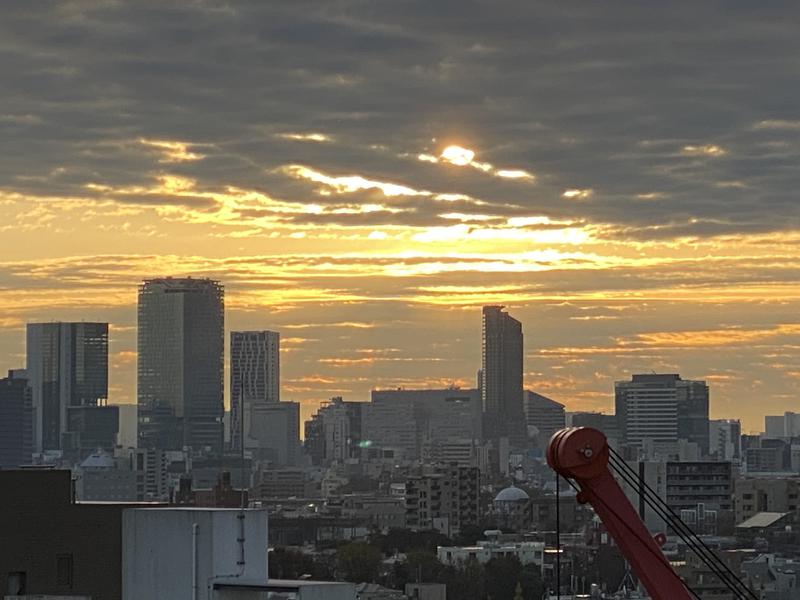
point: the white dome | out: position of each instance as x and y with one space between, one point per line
512 494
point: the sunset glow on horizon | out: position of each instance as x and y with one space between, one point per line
366 198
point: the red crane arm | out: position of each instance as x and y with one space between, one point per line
581 453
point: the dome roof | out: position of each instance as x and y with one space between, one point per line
511 494
99 460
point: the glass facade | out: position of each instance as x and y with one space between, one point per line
181 359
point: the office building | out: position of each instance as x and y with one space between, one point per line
272 433
725 439
16 420
501 376
333 433
67 370
663 409
180 365
596 420
543 415
786 425
389 424
255 374
439 418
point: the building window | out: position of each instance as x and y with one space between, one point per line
64 570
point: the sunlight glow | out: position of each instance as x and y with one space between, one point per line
707 150
514 174
577 194
351 183
456 155
305 137
172 151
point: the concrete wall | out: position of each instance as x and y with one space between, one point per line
157 551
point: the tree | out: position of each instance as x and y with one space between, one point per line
502 575
290 564
358 562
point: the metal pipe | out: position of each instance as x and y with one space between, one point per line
194 561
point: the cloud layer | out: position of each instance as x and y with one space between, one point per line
623 177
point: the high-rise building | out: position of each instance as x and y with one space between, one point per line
255 374
181 348
67 370
662 408
16 420
501 376
725 439
333 434
545 415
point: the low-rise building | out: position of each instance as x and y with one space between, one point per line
378 512
754 495
102 478
287 482
526 552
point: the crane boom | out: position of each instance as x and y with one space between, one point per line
581 453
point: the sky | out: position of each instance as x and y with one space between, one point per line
363 175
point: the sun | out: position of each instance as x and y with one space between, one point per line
457 155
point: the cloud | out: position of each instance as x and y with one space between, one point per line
295 151
305 137
705 150
172 151
577 194
465 157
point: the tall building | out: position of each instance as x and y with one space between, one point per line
662 408
725 439
181 348
545 415
255 374
333 433
16 420
501 376
67 370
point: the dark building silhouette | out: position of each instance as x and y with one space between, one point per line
16 420
67 370
501 376
180 370
53 546
545 414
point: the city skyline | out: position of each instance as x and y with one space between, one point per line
308 409
622 181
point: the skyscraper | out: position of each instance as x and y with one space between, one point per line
501 376
16 420
662 408
67 370
255 374
181 347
